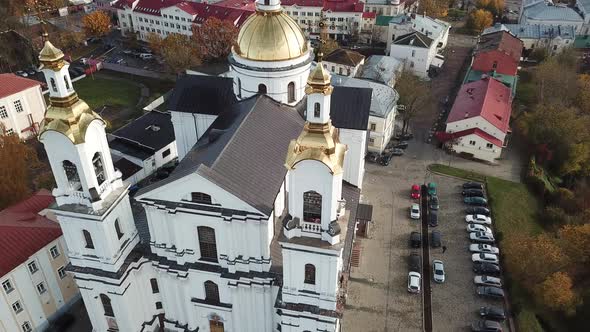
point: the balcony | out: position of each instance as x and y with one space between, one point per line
311 227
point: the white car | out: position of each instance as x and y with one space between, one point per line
482 247
481 237
415 211
487 281
438 270
483 257
478 219
414 282
478 228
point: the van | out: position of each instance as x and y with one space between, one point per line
146 56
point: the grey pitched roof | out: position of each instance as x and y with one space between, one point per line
381 68
383 98
202 94
153 129
350 107
415 38
534 31
543 11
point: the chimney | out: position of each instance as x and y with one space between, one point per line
466 115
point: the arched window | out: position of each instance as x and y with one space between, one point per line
98 167
316 110
309 274
262 89
207 243
199 197
53 85
88 239
239 88
67 82
267 2
106 305
71 174
211 292
291 92
312 207
118 229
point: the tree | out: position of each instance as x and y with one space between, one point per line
583 97
479 19
496 7
96 24
19 160
556 293
434 8
214 39
179 52
328 46
155 42
413 94
556 81
575 241
67 39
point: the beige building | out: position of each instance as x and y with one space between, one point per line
35 285
21 105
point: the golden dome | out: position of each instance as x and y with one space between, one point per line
50 53
319 81
271 36
320 142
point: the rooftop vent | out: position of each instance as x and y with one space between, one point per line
152 128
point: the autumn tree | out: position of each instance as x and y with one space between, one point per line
328 46
555 80
179 52
96 24
434 8
556 293
155 42
496 7
214 39
575 241
414 96
583 96
479 19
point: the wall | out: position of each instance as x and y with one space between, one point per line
478 148
32 102
339 23
354 160
421 59
476 122
339 69
188 128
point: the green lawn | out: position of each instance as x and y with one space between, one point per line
103 91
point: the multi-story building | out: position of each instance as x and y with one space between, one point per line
433 28
546 12
344 62
417 52
553 39
36 288
21 105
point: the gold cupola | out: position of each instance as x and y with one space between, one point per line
50 56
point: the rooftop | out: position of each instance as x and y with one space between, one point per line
344 57
476 75
383 98
534 31
11 84
202 94
501 41
153 130
126 167
549 12
415 38
381 68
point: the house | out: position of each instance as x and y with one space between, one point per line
545 12
344 62
583 7
21 105
498 51
418 52
433 28
382 112
148 142
478 123
554 39
386 7
382 69
36 288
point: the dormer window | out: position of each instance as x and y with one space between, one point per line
316 110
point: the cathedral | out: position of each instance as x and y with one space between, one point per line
253 231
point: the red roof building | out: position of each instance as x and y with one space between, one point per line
11 84
499 51
331 5
23 231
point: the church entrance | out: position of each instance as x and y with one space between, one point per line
215 326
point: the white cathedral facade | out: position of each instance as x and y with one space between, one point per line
253 230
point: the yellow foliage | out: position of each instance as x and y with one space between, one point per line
97 23
479 20
557 294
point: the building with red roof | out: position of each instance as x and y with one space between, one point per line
479 119
33 265
22 105
498 52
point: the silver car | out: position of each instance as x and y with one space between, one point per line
487 281
438 270
478 228
483 257
482 247
481 237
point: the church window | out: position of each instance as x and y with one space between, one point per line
107 306
53 85
266 2
207 243
88 239
71 174
291 92
262 89
118 229
98 167
199 197
211 292
154 284
309 274
316 110
312 207
67 82
239 88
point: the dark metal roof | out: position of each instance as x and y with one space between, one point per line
415 38
153 130
350 107
364 212
345 57
131 148
202 94
126 167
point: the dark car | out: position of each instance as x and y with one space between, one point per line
478 210
472 185
477 201
397 152
433 218
472 193
486 268
433 203
373 157
492 313
386 159
162 174
486 326
401 145
490 291
415 240
415 262
435 240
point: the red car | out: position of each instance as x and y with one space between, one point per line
415 191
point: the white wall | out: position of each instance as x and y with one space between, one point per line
476 122
33 104
479 147
354 160
188 128
340 69
419 62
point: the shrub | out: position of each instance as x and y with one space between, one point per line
527 321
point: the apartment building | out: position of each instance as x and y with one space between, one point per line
21 105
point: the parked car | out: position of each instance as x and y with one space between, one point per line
486 268
482 247
22 73
415 191
479 201
490 291
478 228
487 281
472 185
433 218
415 240
433 203
483 257
431 189
31 72
478 219
492 313
415 262
486 326
478 210
372 157
415 211
414 282
385 159
401 145
404 137
397 152
146 56
481 237
438 271
472 193
436 239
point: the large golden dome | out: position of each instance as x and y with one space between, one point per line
271 36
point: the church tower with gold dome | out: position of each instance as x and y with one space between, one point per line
272 56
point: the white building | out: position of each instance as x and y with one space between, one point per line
386 7
545 12
21 105
344 62
254 229
583 7
418 52
36 289
382 69
433 28
534 36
